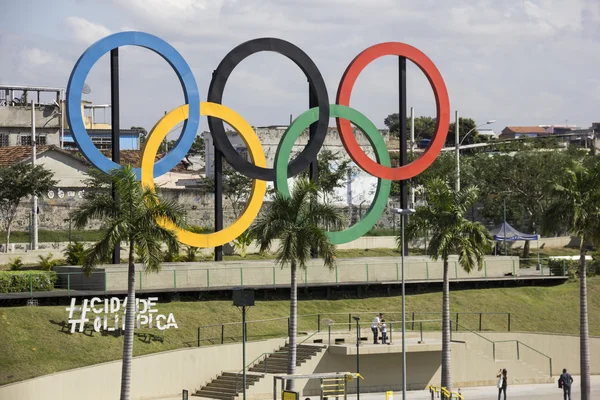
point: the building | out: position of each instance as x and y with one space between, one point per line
16 115
71 169
487 133
516 132
129 139
51 127
360 185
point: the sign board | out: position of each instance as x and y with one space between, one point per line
287 395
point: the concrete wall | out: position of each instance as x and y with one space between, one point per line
153 376
166 374
564 351
258 273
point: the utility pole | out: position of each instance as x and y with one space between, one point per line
62 119
457 154
115 131
34 218
412 151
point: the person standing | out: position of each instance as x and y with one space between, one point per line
502 382
383 332
375 327
566 380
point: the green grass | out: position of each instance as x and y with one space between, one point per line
45 236
32 344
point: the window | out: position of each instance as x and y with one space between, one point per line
3 139
102 143
26 140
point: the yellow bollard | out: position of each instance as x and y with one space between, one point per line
389 395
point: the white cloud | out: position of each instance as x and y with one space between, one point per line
85 31
513 60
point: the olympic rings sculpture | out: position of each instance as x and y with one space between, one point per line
190 113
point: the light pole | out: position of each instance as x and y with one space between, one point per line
403 213
357 356
243 298
458 142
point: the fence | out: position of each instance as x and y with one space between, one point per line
231 332
227 276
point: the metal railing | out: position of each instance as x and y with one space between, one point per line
175 278
444 393
231 332
517 350
257 360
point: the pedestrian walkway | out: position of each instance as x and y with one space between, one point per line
545 391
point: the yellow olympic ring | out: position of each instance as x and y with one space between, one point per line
259 187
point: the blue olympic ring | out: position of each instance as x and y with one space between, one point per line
179 65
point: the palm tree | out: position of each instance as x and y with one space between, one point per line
132 220
444 217
297 221
577 205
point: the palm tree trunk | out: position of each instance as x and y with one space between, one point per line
446 375
129 320
584 340
291 369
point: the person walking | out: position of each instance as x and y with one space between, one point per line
565 381
383 332
375 327
502 382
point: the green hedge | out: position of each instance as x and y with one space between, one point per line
23 281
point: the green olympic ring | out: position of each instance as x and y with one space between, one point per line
284 151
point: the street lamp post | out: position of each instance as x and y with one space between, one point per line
403 213
458 142
357 319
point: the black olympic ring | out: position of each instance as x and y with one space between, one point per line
316 82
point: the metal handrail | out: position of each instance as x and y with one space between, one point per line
518 342
237 380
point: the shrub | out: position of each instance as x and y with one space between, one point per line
171 254
47 263
15 264
23 281
74 253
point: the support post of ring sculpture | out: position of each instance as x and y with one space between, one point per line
190 113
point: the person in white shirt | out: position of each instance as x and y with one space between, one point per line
383 332
375 328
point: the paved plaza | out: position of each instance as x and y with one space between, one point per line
547 391
522 392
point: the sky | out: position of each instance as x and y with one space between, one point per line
520 62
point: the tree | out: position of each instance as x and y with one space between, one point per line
143 133
297 221
424 126
465 126
524 180
17 182
444 217
332 173
134 222
236 188
198 148
577 204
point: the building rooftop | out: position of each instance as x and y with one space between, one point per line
526 129
14 154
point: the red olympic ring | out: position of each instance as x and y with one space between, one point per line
442 105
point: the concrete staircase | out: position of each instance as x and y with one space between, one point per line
277 363
228 385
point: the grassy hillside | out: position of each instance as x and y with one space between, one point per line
32 344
